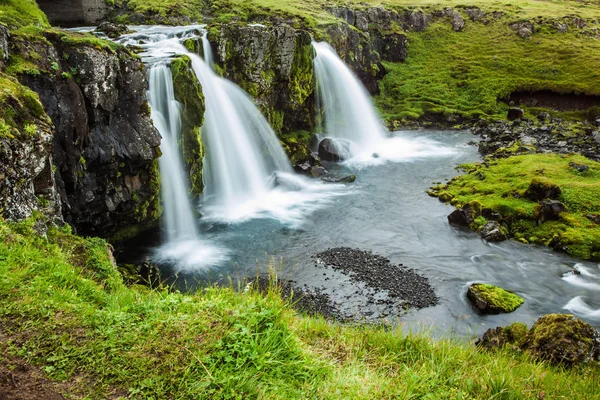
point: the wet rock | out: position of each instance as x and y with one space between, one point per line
579 167
489 299
562 339
4 45
112 30
466 215
549 210
540 189
499 337
329 150
318 171
339 178
492 232
514 113
403 285
303 167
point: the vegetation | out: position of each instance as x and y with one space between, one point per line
18 13
497 297
67 311
502 185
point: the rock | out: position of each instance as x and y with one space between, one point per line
523 28
492 232
540 189
490 299
543 116
499 337
466 215
458 22
303 167
524 32
329 150
561 28
595 218
475 14
339 178
549 210
562 339
4 45
596 137
514 113
113 31
318 171
579 167
417 21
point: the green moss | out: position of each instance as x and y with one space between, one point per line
148 212
498 297
18 13
507 190
516 332
20 109
166 9
189 92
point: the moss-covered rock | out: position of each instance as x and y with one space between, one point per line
540 189
499 337
562 339
491 299
189 92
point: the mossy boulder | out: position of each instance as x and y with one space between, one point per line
499 337
467 215
490 299
562 339
540 189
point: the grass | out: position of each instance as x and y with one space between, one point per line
18 13
66 310
21 109
500 185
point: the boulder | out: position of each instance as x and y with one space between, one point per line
111 30
458 23
540 189
466 215
492 232
318 171
514 113
579 167
489 299
339 178
549 210
499 337
562 339
329 150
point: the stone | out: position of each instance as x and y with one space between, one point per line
549 210
540 189
499 337
562 339
489 299
492 232
579 167
524 32
318 171
514 113
475 14
111 30
417 21
543 116
329 150
523 28
466 215
339 178
458 23
4 45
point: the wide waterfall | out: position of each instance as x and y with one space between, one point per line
351 120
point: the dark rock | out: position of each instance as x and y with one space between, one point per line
562 339
579 167
543 116
111 30
417 21
4 45
329 150
492 232
458 22
339 178
523 28
549 210
303 167
595 218
540 189
318 171
466 215
499 337
475 14
514 113
490 299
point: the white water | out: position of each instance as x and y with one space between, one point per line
350 117
182 245
579 307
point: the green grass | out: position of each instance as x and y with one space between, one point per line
20 109
500 185
66 310
17 13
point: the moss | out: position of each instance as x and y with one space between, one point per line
21 109
18 13
189 92
508 189
498 297
148 212
562 339
297 146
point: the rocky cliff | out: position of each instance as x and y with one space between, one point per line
104 147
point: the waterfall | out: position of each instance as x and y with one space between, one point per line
349 112
208 55
179 220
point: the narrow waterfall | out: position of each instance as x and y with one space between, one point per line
180 223
349 112
207 50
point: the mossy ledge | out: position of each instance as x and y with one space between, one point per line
67 312
508 190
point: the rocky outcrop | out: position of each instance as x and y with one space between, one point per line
105 147
274 64
4 45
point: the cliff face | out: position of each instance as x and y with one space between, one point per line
104 146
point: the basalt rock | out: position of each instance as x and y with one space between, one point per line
105 147
466 215
540 189
329 150
492 232
549 210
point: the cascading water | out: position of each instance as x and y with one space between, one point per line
351 119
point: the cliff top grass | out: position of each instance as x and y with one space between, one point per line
18 13
501 185
66 312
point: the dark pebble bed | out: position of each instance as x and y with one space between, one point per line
404 286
